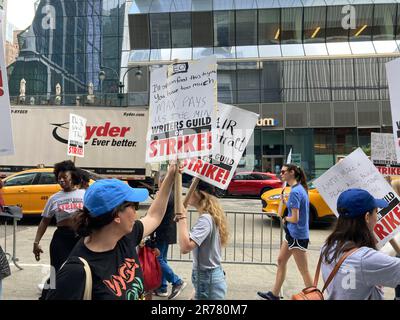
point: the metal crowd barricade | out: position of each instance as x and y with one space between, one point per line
14 214
252 239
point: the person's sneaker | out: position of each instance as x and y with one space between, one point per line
161 293
176 290
268 295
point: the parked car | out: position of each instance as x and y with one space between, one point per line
319 210
251 184
30 189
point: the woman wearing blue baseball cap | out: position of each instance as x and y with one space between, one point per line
366 270
106 255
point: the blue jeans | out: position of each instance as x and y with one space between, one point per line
209 284
167 273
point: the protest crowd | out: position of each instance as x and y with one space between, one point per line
102 250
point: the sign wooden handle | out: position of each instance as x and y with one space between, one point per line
178 190
395 246
192 188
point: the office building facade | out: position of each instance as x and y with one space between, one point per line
313 70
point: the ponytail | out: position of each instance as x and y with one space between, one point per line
299 174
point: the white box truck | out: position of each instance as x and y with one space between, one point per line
115 141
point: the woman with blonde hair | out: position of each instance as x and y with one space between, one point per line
206 239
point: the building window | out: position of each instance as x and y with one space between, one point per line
224 28
160 30
344 114
292 25
318 80
227 88
273 144
181 29
246 27
271 81
248 79
345 141
296 115
363 31
334 29
301 143
269 29
320 114
323 151
384 21
366 79
342 79
314 24
295 81
202 29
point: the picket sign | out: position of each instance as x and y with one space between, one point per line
383 154
234 128
357 171
183 99
393 77
76 136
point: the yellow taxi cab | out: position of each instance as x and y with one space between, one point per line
319 210
30 189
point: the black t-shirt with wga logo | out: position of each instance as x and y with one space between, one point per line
116 274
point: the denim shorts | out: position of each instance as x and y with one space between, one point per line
209 284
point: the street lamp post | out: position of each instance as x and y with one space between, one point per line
138 75
121 85
102 77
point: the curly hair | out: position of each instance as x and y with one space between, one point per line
67 166
210 204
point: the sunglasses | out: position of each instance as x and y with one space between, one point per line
134 205
283 171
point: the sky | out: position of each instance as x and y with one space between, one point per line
20 18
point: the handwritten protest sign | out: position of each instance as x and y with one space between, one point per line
6 135
393 76
76 136
234 129
357 171
383 154
183 101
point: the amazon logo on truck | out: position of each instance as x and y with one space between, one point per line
104 136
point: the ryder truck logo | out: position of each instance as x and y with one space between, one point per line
103 136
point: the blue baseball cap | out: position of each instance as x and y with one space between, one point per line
357 202
106 194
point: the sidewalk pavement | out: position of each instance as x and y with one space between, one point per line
244 280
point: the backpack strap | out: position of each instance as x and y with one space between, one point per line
337 266
87 294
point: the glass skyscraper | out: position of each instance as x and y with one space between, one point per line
68 43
